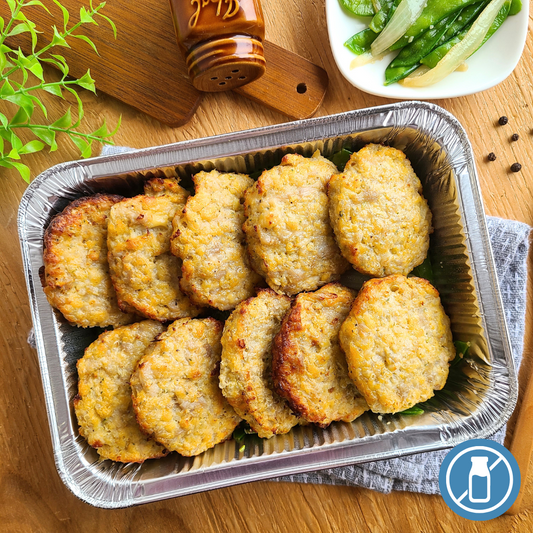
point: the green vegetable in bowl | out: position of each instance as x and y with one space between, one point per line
473 39
362 8
434 38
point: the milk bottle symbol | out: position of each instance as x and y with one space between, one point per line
479 481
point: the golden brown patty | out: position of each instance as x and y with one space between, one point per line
398 342
175 389
103 404
309 367
246 367
76 272
208 237
381 220
144 272
289 237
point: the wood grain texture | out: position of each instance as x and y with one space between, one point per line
295 88
32 496
144 67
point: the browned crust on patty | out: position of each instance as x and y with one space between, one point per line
307 358
66 274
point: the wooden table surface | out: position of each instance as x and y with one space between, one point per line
32 496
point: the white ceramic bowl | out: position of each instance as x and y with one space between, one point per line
487 67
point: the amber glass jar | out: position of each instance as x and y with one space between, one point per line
222 41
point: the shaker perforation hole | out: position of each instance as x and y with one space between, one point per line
214 78
301 88
242 77
235 71
228 77
222 83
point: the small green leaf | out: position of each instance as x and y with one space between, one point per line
1 146
87 82
3 120
37 3
36 69
112 133
64 122
13 154
86 17
83 146
23 101
21 16
101 131
23 27
16 143
12 5
36 100
23 170
65 14
1 24
32 147
412 411
53 88
43 133
3 61
88 41
58 39
57 61
20 117
80 106
110 22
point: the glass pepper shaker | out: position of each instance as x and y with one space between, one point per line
222 41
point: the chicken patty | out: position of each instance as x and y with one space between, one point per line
290 240
103 404
208 237
309 367
175 389
144 272
76 276
246 366
381 220
398 342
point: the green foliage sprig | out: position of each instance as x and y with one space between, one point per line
24 93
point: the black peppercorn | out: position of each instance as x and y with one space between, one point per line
515 137
516 167
492 156
503 121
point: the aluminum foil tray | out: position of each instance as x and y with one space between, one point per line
476 402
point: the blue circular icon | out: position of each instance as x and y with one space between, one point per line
479 479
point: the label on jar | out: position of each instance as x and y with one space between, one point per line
224 8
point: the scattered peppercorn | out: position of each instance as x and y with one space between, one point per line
515 137
503 121
492 156
516 167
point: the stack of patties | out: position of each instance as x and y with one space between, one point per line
397 337
280 365
284 356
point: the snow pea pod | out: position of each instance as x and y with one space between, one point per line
434 11
415 51
381 17
438 53
467 15
516 6
394 74
362 8
361 42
